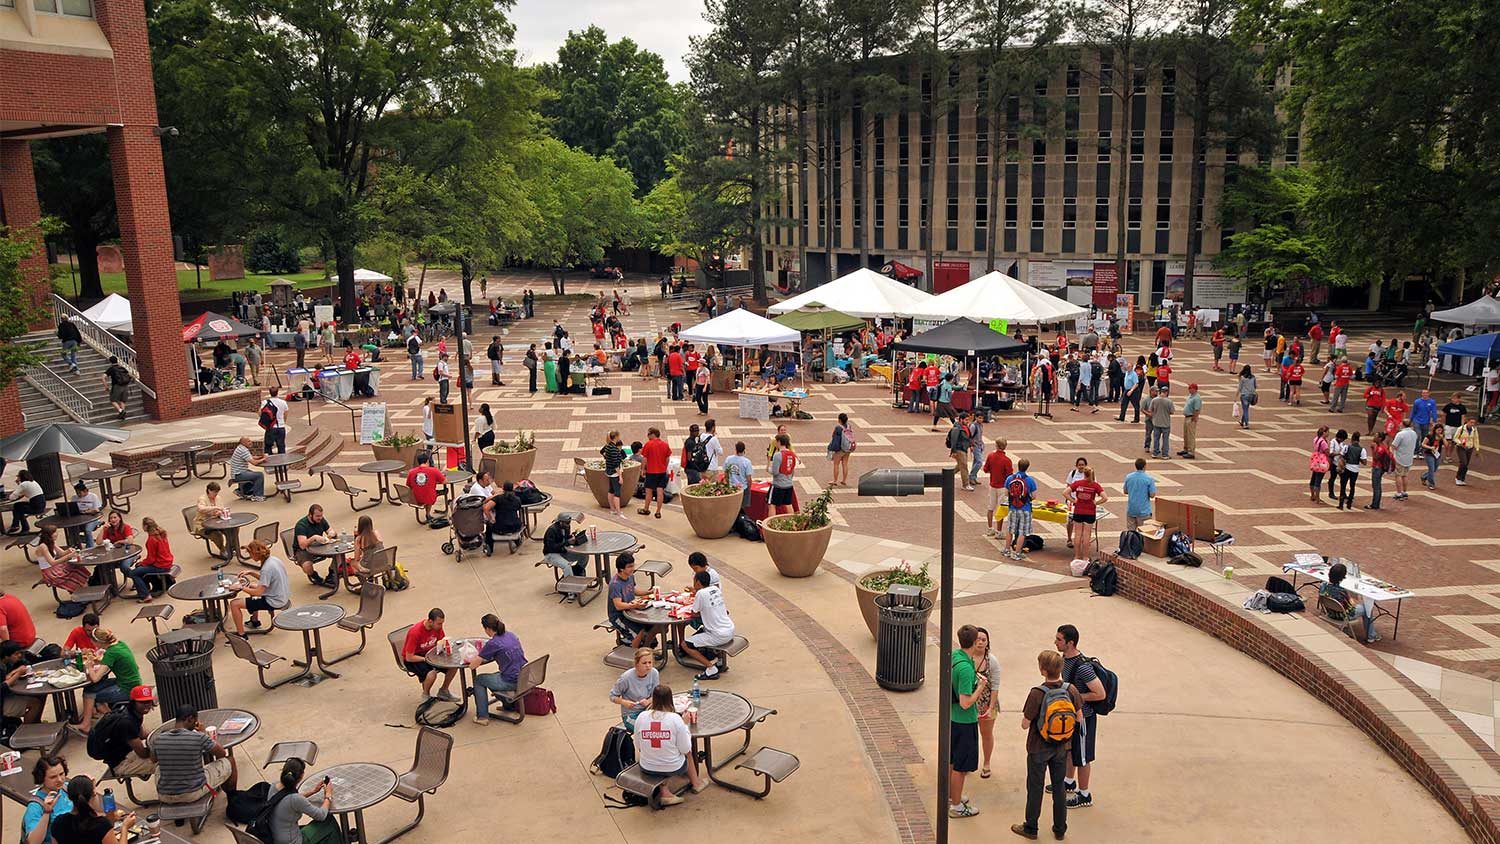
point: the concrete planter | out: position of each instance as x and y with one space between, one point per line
796 553
865 596
407 454
630 475
514 467
712 516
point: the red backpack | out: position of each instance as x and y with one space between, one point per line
788 462
1016 489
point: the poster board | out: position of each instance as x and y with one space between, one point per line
447 427
1124 312
372 422
1106 284
1197 519
322 314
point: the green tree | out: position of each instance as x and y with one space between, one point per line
583 204
329 80
1281 231
17 309
74 185
613 99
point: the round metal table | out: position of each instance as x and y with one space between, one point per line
533 513
657 617
230 527
72 525
107 561
356 786
279 463
188 453
64 699
720 713
105 478
311 619
215 718
383 468
451 661
206 588
335 551
607 544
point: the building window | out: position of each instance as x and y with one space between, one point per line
981 212
1011 208
71 8
1105 142
903 209
1070 213
1168 80
1039 150
1137 146
1101 211
1165 154
1140 80
1133 218
1070 150
1163 214
1073 78
1038 213
1293 153
879 147
1041 89
981 140
1106 76
7 4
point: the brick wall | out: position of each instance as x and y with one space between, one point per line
21 211
61 90
11 420
247 400
1480 815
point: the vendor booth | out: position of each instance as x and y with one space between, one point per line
1482 353
863 293
1483 311
968 340
112 313
823 321
997 296
741 329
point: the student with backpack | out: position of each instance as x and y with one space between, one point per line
1080 672
1050 719
273 422
782 467
277 822
958 448
840 446
1019 490
694 455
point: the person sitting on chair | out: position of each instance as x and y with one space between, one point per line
502 516
1354 608
179 750
324 828
558 539
266 590
622 599
718 629
421 638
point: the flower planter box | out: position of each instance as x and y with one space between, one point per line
630 475
407 454
865 597
712 516
796 553
513 467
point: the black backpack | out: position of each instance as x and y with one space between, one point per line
1131 545
246 805
697 454
617 754
1105 580
1284 602
1111 682
436 712
119 375
99 737
260 825
267 416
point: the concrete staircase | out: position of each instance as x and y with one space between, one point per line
39 409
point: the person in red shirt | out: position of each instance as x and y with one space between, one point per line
998 466
421 638
15 622
1164 377
1343 373
1062 343
424 481
1374 403
351 359
1294 380
675 374
1395 411
1315 336
1164 335
114 529
657 456
598 331
1217 341
1086 495
932 377
82 637
691 360
915 387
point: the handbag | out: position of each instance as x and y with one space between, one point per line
1318 462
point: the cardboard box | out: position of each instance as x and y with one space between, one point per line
1156 543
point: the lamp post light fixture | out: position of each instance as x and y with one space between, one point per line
899 483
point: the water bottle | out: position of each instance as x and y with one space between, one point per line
107 802
697 693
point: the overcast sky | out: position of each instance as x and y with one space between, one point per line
661 26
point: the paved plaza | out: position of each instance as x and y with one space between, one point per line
1205 739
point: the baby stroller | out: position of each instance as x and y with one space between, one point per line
465 526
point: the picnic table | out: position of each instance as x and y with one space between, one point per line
661 617
450 661
606 544
335 551
310 620
188 453
64 699
533 514
73 526
212 590
356 786
279 463
106 560
1372 589
105 479
230 526
720 713
217 718
383 469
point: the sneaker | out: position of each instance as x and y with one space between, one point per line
1021 830
700 787
253 623
1080 800
991 532
1461 483
707 676
258 499
670 800
962 810
1070 785
444 694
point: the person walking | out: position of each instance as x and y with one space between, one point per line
1374 403
1162 408
1465 445
1381 463
1047 757
1232 346
840 446
1454 413
1404 450
414 355
702 379
1336 448
1431 449
273 416
1349 462
943 407
958 447
1343 373
496 355
1191 410
1246 395
1317 463
70 338
963 748
976 447
998 467
1130 392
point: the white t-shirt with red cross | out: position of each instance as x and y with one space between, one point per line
662 741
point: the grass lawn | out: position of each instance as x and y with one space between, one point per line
187 283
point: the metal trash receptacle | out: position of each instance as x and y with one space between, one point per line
184 671
901 638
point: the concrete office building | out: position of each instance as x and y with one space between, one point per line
1055 204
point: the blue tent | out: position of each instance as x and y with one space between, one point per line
1478 346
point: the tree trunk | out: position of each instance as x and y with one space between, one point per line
826 187
861 231
86 246
1197 186
803 208
995 206
757 176
421 280
929 115
559 285
348 307
465 366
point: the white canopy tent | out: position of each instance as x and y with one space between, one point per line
740 327
996 295
1483 311
863 293
112 313
370 277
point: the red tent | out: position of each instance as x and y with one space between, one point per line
210 327
900 271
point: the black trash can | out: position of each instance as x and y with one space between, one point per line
901 639
184 669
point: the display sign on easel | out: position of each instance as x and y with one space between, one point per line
372 423
447 427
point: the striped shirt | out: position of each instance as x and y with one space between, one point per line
179 756
239 461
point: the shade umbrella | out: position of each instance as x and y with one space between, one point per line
817 318
1486 347
962 338
40 447
210 326
1482 311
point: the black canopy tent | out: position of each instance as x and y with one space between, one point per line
961 338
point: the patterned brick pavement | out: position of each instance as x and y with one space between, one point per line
1441 544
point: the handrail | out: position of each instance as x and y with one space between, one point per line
99 339
353 425
60 392
723 294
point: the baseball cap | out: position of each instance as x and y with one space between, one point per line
1192 386
143 694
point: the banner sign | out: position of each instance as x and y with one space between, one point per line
1106 285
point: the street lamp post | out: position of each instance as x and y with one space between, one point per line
899 483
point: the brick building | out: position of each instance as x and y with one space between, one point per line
74 67
1055 206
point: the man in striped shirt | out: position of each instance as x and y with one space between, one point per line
251 484
182 775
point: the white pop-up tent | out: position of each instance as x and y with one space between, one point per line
863 293
996 295
370 277
740 327
112 313
1482 311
